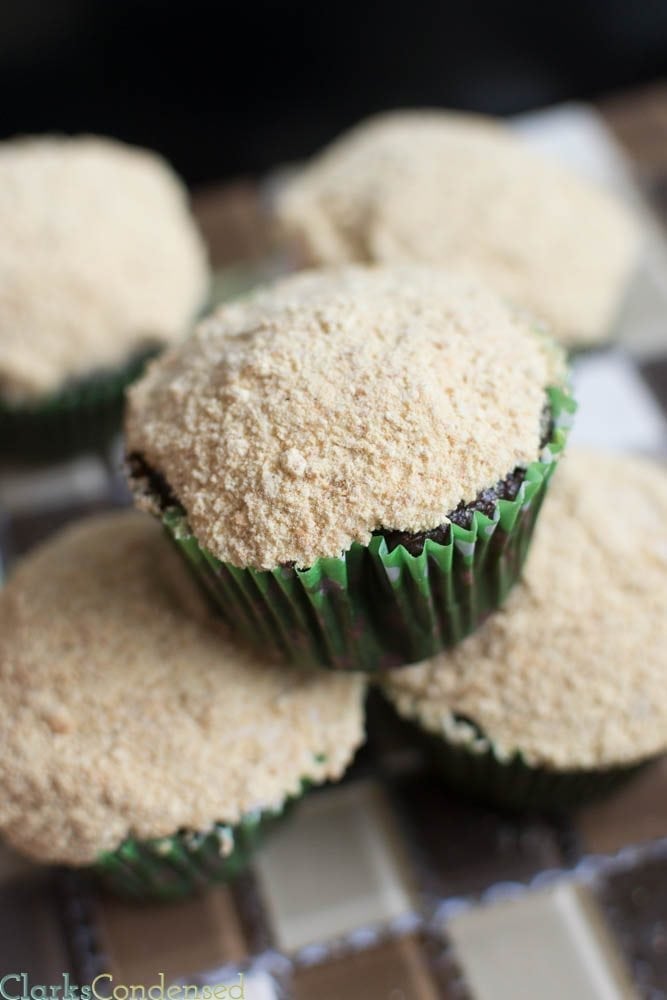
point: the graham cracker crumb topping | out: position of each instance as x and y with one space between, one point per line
99 256
127 713
571 671
302 418
466 192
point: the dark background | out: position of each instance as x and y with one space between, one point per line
226 89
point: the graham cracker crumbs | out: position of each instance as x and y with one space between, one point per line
124 715
571 672
302 418
99 256
464 191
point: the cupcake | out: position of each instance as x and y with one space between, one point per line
561 695
100 265
137 741
352 461
463 191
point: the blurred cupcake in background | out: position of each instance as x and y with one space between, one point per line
352 461
463 191
137 741
561 695
101 264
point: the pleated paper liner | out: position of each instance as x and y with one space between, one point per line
513 784
372 609
185 863
81 417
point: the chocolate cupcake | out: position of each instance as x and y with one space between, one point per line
352 461
136 739
463 191
561 695
100 265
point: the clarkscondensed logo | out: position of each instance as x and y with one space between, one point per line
17 986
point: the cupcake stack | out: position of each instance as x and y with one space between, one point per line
340 479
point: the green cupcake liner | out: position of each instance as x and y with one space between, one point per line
515 785
83 416
372 609
180 865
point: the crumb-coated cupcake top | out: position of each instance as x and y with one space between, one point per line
571 671
464 191
302 418
125 712
99 256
